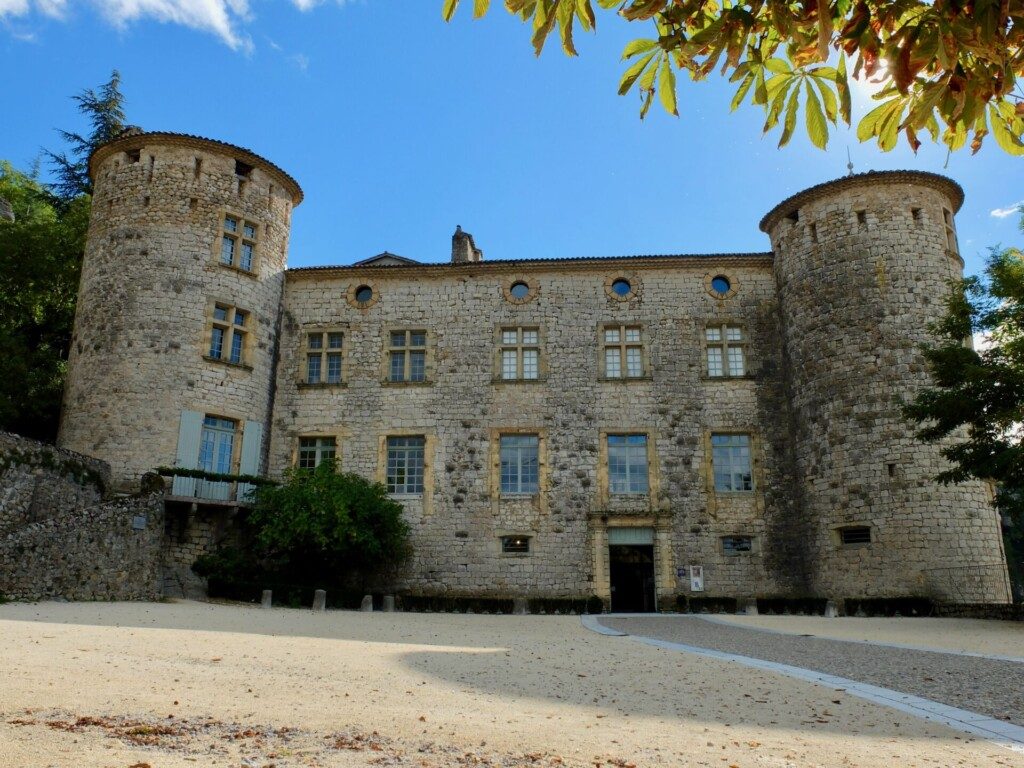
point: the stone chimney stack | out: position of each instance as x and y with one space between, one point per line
464 250
6 212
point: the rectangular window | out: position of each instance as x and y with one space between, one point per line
627 464
520 463
238 243
520 353
951 244
217 445
737 545
515 545
730 461
859 534
228 334
323 356
405 464
313 451
623 352
407 356
726 351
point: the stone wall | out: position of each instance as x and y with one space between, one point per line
38 481
110 551
150 277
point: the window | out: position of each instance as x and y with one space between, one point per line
730 460
217 445
407 357
951 244
520 353
726 354
857 534
313 451
228 330
323 351
623 352
737 545
405 464
720 284
238 243
519 290
627 463
364 293
520 463
515 545
621 287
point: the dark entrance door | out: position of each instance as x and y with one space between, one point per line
632 577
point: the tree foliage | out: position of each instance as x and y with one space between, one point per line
948 68
40 259
976 406
104 109
322 524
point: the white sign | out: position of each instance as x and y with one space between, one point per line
696 578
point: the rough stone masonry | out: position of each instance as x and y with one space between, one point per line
716 425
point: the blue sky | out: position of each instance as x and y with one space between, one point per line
399 126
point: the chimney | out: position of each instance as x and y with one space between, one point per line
464 250
6 212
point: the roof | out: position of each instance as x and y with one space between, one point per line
790 204
136 139
514 265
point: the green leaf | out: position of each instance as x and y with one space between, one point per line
633 73
667 87
741 92
790 123
829 99
448 9
480 8
778 66
843 89
1003 133
817 128
633 47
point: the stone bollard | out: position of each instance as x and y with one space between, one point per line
750 607
320 600
367 604
520 606
830 609
268 599
388 605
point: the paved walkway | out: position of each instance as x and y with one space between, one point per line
992 687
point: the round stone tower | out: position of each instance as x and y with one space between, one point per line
862 266
178 307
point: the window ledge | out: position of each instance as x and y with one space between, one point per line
515 554
228 363
517 496
628 495
401 496
322 385
231 267
390 383
539 380
859 545
744 377
736 494
625 379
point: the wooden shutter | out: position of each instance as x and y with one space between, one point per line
252 448
189 432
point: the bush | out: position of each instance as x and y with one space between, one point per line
318 529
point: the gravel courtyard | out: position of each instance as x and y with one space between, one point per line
124 685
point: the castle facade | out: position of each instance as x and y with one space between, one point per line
635 428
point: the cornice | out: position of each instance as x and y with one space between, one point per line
519 266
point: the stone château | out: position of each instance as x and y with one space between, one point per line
636 427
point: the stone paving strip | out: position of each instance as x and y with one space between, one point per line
981 695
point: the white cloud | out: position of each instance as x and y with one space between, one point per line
219 17
300 60
1010 210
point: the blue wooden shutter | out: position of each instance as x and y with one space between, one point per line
252 448
189 431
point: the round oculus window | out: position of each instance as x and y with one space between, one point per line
720 284
364 293
519 290
622 287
